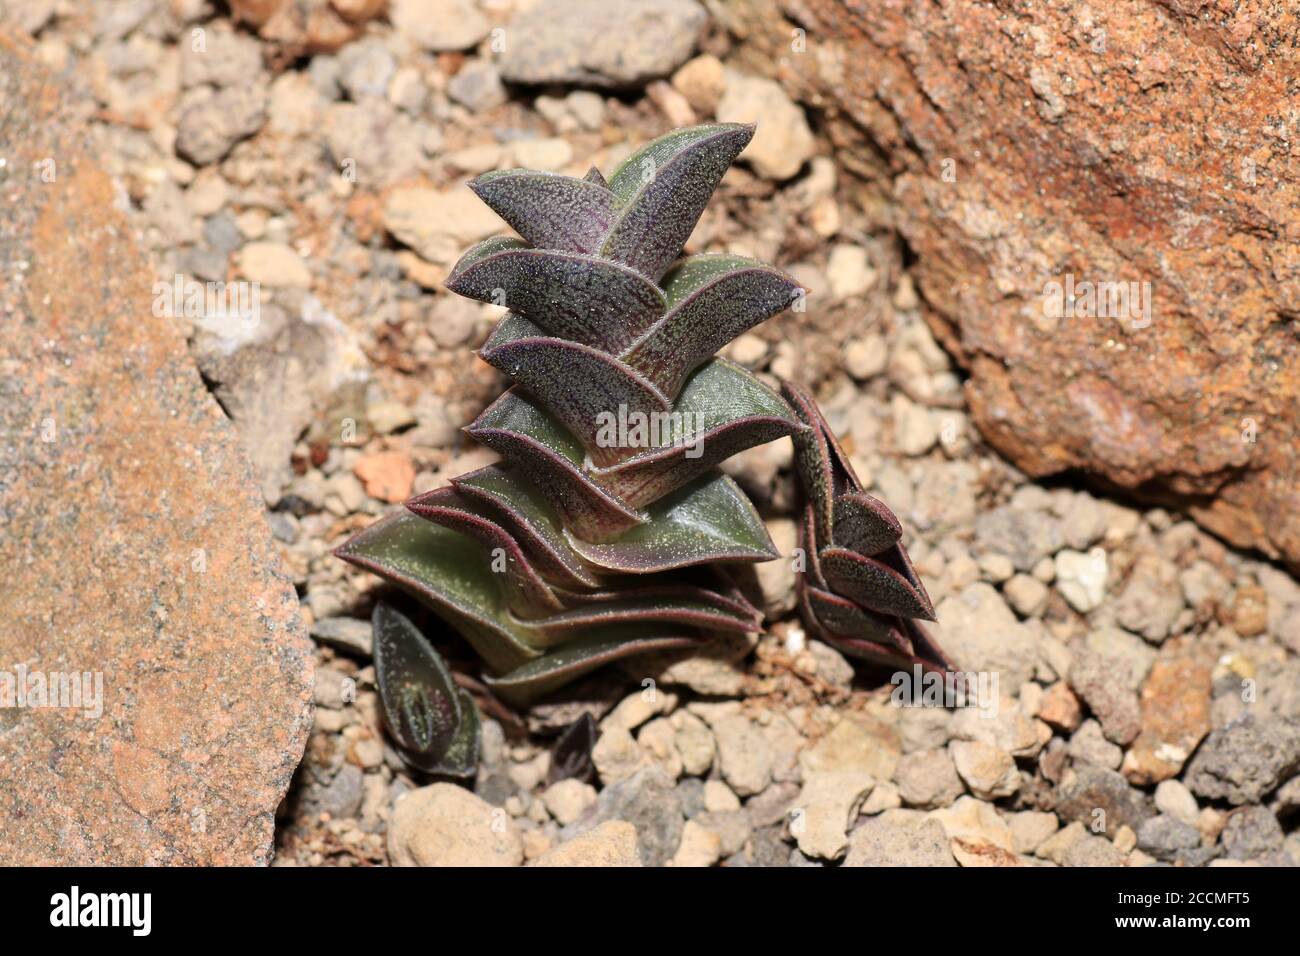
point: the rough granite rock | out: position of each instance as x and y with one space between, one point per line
134 542
1244 760
1024 147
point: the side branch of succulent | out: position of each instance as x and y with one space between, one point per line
858 590
587 543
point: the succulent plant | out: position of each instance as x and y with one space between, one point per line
858 590
606 528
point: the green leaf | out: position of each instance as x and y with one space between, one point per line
546 454
580 298
461 757
663 188
535 523
549 210
722 410
449 573
873 584
582 387
417 695
663 606
569 662
710 520
527 593
864 524
712 299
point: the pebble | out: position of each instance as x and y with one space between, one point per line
849 272
981 633
866 357
976 823
1252 832
386 475
858 743
1164 837
914 431
744 756
1026 594
1094 795
478 87
1031 828
366 68
928 779
1081 578
702 81
445 825
617 756
893 839
649 802
209 128
783 142
1088 744
1244 760
657 741
613 843
694 742
273 264
699 847
347 634
719 798
1025 536
1173 798
826 806
439 25
596 43
568 800
1060 707
989 772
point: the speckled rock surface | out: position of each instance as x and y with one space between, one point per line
1118 144
134 546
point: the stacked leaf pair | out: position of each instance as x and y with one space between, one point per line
603 530
858 590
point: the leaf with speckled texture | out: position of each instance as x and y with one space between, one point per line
708 521
527 593
864 524
579 385
663 188
516 427
549 210
576 297
448 572
534 521
712 300
722 410
595 649
417 695
873 584
664 608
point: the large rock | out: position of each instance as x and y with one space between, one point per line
134 548
1117 145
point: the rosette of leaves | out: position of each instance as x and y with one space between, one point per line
587 543
858 590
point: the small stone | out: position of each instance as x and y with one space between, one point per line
867 357
617 756
1089 745
366 68
928 779
982 634
1164 837
1031 828
649 802
478 87
657 742
776 579
975 830
849 272
274 265
1095 795
733 828
702 81
587 108
694 742
439 25
388 417
699 847
744 755
1175 704
782 142
827 805
1252 832
613 843
210 128
996 568
1081 578
858 743
1152 599
1025 536
1026 594
989 772
884 797
545 154
719 798
890 840
344 633
832 667
595 43
1092 676
914 431
569 799
387 475
1245 760
445 825
637 708
438 225
1173 798
1060 708
1091 851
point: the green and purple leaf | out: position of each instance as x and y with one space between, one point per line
549 210
873 584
